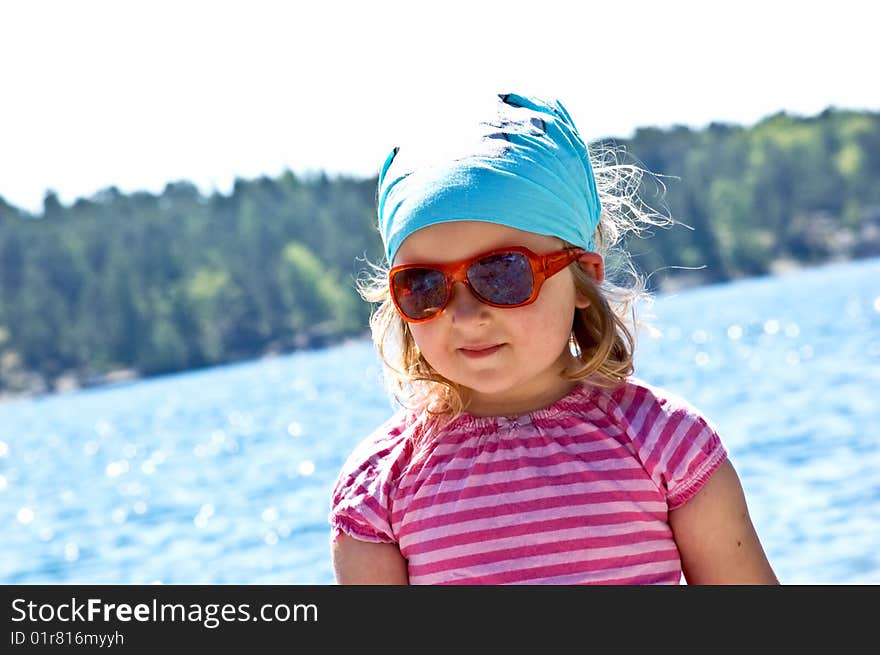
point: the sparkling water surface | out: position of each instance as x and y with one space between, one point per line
223 476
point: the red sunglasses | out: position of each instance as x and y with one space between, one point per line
506 277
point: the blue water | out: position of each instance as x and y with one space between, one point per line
223 475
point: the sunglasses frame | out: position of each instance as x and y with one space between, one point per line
543 267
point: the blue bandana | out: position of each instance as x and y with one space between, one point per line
528 169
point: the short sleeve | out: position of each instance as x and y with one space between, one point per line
361 500
677 445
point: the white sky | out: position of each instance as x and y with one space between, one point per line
137 94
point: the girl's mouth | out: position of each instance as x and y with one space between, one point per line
480 351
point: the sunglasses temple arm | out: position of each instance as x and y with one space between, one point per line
555 262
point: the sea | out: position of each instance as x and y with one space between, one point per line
223 475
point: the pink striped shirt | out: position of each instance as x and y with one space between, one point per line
576 493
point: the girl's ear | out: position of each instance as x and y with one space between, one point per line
594 266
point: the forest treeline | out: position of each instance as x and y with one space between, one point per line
153 283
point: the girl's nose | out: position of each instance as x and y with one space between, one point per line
464 306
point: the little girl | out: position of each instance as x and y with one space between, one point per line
525 451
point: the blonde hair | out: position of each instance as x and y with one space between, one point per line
603 336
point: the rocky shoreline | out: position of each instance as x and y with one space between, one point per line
17 383
29 384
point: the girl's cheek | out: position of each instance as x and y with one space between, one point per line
423 335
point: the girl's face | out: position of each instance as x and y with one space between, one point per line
508 360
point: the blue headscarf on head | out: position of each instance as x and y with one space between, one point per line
529 170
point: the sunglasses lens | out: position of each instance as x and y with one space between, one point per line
504 279
419 292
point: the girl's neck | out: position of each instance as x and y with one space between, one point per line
519 401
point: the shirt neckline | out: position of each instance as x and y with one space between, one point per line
574 397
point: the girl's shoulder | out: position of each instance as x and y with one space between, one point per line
676 444
638 397
383 441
